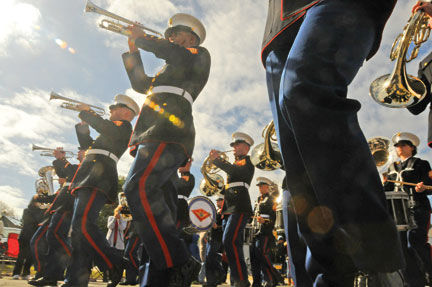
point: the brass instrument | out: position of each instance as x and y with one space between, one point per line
267 156
50 151
71 104
115 26
125 211
212 183
398 89
45 182
383 152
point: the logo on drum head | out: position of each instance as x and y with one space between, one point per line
201 214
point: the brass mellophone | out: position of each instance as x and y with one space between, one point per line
116 26
50 151
71 104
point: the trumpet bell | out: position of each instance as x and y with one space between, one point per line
395 92
259 159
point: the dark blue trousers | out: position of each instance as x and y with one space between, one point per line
330 172
59 248
233 243
151 202
214 270
88 242
39 248
261 265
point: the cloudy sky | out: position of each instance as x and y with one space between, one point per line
50 45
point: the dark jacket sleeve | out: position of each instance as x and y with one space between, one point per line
425 75
98 123
140 82
60 166
164 49
83 135
231 169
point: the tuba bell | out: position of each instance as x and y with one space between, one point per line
398 89
212 183
267 156
45 182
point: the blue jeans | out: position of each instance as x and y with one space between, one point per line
335 186
153 199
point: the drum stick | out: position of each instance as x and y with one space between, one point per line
429 187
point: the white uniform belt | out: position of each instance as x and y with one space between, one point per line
173 90
182 197
103 152
237 183
265 215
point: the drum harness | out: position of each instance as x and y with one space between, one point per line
398 187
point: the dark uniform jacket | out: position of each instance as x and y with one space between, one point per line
412 170
100 171
184 186
265 210
425 74
164 116
64 200
237 199
284 13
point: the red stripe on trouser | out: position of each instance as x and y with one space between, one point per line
267 259
130 253
87 235
36 247
146 205
235 248
58 237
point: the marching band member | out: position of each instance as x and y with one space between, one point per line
312 50
238 203
60 210
214 270
260 248
94 185
414 170
163 138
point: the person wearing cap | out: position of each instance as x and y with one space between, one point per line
164 136
260 248
214 271
312 50
414 170
94 184
60 213
238 203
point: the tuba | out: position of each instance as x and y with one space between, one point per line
267 156
71 104
398 89
45 181
212 183
115 26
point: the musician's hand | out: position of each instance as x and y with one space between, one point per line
59 153
83 107
260 219
425 6
215 226
384 178
61 180
420 187
214 154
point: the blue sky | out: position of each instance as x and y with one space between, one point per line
50 45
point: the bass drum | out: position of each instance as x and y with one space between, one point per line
202 214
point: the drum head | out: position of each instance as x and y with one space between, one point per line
202 213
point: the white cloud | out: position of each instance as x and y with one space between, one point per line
17 24
13 197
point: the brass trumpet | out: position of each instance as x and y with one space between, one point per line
50 151
398 89
71 104
115 26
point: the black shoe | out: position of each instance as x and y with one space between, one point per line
115 275
43 282
182 276
129 283
394 279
